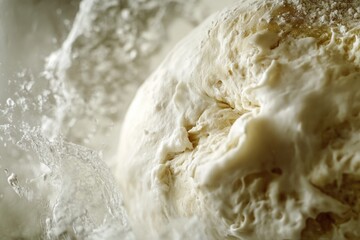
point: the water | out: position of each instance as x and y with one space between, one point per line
65 87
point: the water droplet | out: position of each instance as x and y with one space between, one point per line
22 103
14 183
133 54
12 180
67 22
59 11
10 102
29 85
21 74
129 46
125 14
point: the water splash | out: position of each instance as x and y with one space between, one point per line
74 191
66 187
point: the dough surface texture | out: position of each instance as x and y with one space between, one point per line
251 125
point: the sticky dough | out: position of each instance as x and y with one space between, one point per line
251 124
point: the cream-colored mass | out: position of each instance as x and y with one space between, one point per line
251 125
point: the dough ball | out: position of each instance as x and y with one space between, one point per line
251 125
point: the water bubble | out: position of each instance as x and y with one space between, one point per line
21 74
125 14
22 103
28 85
59 11
133 54
128 46
10 102
14 182
67 23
